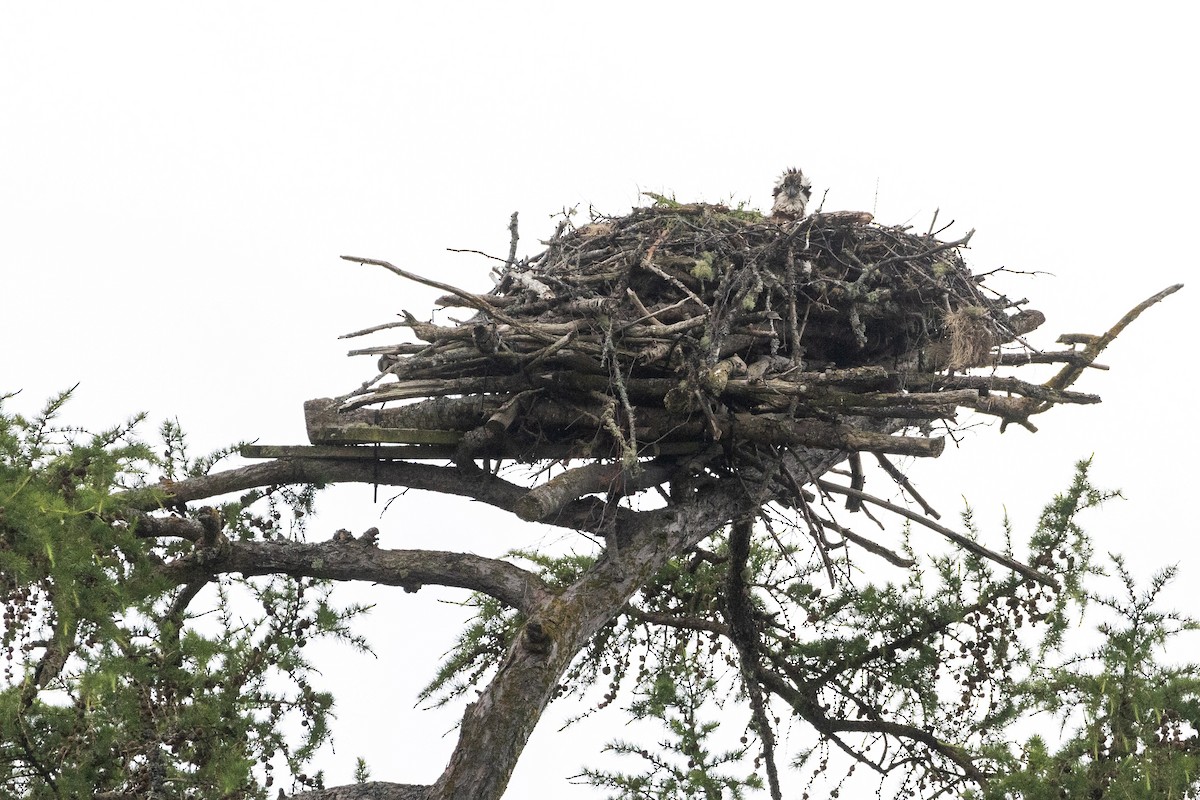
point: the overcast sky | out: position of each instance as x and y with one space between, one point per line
178 181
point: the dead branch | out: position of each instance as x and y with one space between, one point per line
962 541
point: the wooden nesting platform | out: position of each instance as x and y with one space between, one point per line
701 336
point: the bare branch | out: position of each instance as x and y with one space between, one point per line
1093 349
614 479
371 790
957 538
809 709
481 486
675 621
745 635
358 561
902 479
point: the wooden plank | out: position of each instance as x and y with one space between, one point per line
417 452
358 433
383 452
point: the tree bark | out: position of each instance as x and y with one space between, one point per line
497 726
500 722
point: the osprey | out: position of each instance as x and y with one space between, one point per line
791 195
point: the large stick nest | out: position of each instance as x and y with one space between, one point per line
684 329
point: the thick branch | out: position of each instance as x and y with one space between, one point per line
477 485
614 479
770 429
807 707
500 721
675 621
438 420
744 634
372 790
1093 349
360 561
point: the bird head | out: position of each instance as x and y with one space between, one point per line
791 193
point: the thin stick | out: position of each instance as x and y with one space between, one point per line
1069 373
512 245
461 250
869 545
857 481
957 538
647 263
900 478
473 300
641 309
374 329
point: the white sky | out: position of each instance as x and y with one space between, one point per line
177 182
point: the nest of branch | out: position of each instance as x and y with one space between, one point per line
672 290
703 331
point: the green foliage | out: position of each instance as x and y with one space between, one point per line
479 648
685 765
940 652
1132 720
486 638
117 680
662 201
703 268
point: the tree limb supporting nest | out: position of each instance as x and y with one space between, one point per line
726 360
692 344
